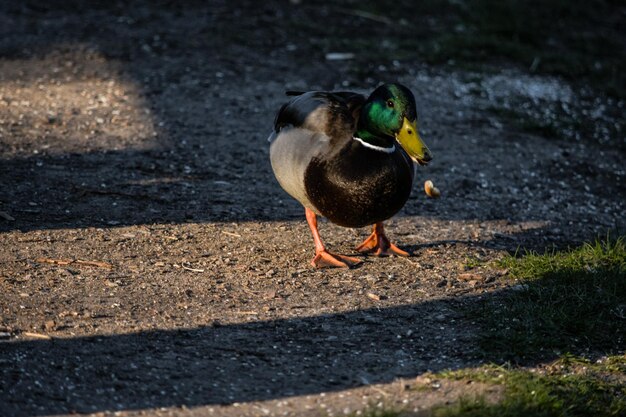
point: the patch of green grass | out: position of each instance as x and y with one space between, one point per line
472 262
572 300
606 255
568 387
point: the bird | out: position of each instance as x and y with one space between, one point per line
349 158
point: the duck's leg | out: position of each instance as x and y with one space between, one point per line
323 258
378 244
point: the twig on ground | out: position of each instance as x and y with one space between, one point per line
37 335
381 391
99 264
248 313
6 216
192 269
376 297
64 262
366 15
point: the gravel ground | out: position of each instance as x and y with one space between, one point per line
151 265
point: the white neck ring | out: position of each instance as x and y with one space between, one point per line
374 147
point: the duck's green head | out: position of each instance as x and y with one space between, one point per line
389 114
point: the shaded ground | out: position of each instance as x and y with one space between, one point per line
136 135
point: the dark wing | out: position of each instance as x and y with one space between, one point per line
332 113
349 96
354 101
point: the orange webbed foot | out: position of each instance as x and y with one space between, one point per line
325 259
378 244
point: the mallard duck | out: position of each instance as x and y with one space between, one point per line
350 159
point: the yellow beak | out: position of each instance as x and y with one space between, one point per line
410 140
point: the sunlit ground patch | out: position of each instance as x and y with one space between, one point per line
71 100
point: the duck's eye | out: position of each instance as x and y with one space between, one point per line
389 103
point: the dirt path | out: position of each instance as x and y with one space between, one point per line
137 140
